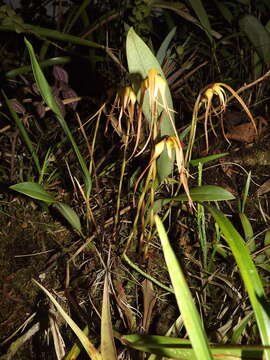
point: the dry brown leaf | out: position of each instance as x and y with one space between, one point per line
243 133
246 132
149 300
123 304
264 188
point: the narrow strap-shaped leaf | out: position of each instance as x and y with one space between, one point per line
108 351
86 343
53 34
201 13
48 97
181 348
249 275
23 133
184 298
164 46
42 83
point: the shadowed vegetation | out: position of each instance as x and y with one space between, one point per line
134 180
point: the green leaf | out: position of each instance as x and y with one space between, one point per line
76 348
184 298
69 214
43 86
240 327
34 190
175 348
199 193
249 275
224 10
23 133
257 35
207 193
108 351
183 11
54 34
47 96
60 60
202 16
206 159
140 60
162 51
86 343
267 242
248 231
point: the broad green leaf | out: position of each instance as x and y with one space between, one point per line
199 10
34 190
23 133
69 214
140 60
86 343
162 51
175 348
199 193
184 298
207 193
257 35
206 159
249 275
108 351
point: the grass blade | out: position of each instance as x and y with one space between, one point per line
76 348
249 275
108 350
24 133
202 16
206 159
162 51
53 34
184 298
86 343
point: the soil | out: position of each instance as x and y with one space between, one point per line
29 238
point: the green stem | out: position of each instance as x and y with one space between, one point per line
50 62
147 276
